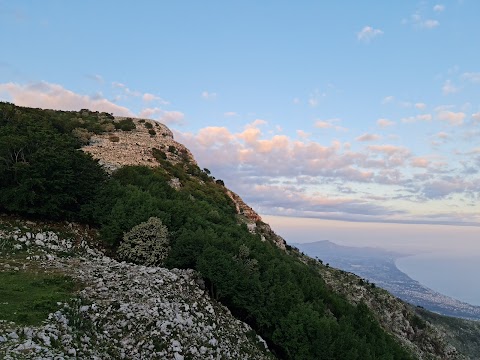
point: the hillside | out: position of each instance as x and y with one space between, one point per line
150 211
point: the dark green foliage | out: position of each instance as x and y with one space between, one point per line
159 155
148 125
152 132
125 125
41 171
283 299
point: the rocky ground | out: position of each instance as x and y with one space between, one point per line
123 311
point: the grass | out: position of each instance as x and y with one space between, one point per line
27 298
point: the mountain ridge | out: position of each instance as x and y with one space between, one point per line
226 242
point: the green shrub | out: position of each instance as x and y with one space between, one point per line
125 124
152 132
147 243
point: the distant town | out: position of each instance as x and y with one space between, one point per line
378 266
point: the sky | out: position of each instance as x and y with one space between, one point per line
353 111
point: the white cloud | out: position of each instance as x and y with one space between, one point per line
439 8
230 114
53 96
368 33
420 117
388 99
449 88
383 123
430 23
420 106
368 137
208 95
453 118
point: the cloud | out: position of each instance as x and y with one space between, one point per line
53 96
442 135
315 97
473 77
439 8
449 88
303 134
383 123
453 118
208 95
329 124
163 116
368 33
230 114
420 117
476 117
388 99
420 162
96 77
418 21
147 97
430 23
368 137
420 106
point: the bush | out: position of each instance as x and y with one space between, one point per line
148 125
147 243
125 125
152 132
114 138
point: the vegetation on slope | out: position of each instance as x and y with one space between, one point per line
282 298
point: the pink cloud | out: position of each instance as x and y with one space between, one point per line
453 118
368 137
54 96
385 123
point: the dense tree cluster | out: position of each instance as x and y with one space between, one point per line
283 299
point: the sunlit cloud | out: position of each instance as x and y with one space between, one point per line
330 124
439 8
368 33
368 137
230 114
53 96
383 123
420 106
453 118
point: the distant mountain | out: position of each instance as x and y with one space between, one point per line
378 266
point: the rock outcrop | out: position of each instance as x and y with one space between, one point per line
119 148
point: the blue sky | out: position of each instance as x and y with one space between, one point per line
339 110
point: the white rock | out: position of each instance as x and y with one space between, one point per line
178 356
39 243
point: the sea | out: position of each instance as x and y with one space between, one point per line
442 257
457 276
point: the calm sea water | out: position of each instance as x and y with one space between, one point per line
457 276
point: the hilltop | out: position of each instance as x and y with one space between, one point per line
146 208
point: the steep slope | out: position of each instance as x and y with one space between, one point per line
123 310
299 308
